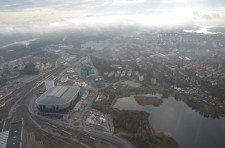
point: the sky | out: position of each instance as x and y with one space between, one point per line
49 15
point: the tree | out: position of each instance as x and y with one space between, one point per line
30 69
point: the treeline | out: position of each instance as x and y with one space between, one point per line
215 91
101 64
209 111
135 123
30 69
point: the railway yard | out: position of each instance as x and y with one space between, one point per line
41 131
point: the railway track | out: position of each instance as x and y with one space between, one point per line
19 108
15 107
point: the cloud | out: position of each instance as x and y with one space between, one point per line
128 1
195 13
50 15
206 16
39 14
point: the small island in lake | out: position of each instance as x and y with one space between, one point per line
148 100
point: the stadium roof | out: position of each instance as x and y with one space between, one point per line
58 95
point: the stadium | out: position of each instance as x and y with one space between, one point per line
58 98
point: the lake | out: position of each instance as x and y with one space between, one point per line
189 128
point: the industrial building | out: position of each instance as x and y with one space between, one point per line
49 84
58 98
3 139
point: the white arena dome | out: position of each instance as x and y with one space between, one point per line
58 98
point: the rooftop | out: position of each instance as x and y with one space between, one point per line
3 138
58 95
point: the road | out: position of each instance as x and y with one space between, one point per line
91 98
102 135
15 108
71 129
107 136
21 98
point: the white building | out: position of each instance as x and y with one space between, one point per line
58 98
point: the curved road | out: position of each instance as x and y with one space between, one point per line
102 135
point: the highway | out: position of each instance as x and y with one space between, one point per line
107 136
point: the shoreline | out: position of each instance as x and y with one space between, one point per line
135 125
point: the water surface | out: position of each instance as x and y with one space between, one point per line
189 128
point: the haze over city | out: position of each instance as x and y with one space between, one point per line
112 73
